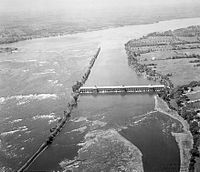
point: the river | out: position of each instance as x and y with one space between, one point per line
35 88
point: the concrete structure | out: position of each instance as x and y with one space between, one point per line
120 89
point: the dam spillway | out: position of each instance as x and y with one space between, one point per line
121 89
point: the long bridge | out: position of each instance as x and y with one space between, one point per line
121 89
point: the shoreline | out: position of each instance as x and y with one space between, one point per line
166 110
184 139
188 140
98 29
110 142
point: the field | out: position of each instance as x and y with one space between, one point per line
176 54
182 71
173 58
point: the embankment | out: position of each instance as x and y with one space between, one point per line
184 139
66 115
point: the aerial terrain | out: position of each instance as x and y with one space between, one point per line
50 49
173 58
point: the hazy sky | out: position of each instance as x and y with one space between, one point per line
46 5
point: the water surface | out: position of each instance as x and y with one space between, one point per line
35 86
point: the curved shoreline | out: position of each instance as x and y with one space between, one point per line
184 140
173 101
102 149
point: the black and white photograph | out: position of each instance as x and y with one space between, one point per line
99 85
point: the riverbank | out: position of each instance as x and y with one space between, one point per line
185 139
153 56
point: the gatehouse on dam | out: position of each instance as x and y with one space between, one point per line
121 89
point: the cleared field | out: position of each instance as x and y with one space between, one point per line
196 105
195 89
189 39
189 51
181 69
194 96
161 55
158 55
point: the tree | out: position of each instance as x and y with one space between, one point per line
194 152
194 127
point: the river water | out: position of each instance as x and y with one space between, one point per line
35 86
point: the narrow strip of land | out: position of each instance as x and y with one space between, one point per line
67 114
185 139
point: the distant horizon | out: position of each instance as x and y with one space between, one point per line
89 5
26 19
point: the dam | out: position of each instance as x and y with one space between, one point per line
121 89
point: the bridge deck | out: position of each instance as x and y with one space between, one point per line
115 89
